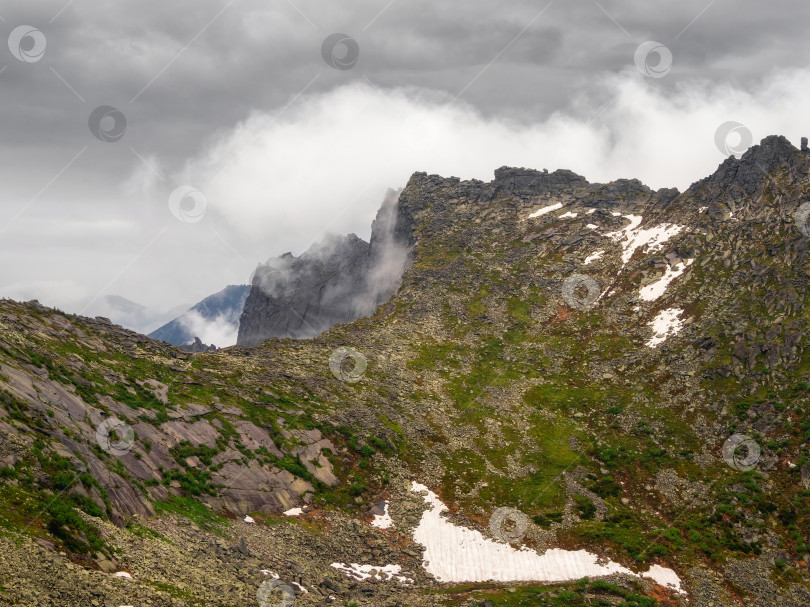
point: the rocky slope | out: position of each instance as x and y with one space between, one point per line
624 369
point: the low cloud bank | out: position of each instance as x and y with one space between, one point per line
322 163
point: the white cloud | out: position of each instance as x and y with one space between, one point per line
325 161
145 179
65 294
219 332
279 179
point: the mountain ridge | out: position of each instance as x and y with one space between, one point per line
608 411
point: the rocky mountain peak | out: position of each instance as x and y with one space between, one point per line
338 279
521 180
775 158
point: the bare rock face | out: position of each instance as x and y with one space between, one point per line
338 280
303 296
163 446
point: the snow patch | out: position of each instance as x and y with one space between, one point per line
458 554
664 576
590 211
124 574
249 519
655 290
272 574
364 572
294 512
632 237
545 210
593 256
592 226
567 214
665 324
384 520
300 587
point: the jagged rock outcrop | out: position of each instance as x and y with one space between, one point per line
337 280
198 346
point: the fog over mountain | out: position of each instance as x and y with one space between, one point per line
285 147
337 280
214 320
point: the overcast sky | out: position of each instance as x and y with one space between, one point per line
250 132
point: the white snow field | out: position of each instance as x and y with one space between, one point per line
384 520
665 324
655 290
544 210
594 256
459 554
363 572
632 237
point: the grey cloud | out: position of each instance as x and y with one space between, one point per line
257 57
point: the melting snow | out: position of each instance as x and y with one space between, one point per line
632 237
593 257
458 554
592 226
545 210
124 574
384 520
294 512
655 290
363 572
590 211
567 214
665 324
249 519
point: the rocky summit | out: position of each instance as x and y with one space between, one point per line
337 280
532 391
